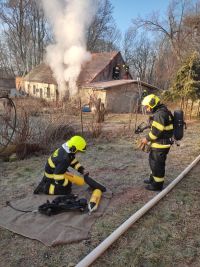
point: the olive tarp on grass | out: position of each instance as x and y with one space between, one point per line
52 230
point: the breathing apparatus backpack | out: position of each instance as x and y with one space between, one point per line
179 124
63 204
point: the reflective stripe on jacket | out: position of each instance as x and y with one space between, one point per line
59 162
161 129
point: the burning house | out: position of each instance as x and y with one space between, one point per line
41 83
105 76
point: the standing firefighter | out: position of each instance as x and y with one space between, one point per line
116 72
126 71
160 139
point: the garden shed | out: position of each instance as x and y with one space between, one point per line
118 96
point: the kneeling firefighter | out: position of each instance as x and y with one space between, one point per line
160 140
57 180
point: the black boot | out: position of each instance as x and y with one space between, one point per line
154 186
148 180
40 188
37 190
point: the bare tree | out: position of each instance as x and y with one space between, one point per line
165 65
139 55
175 36
128 43
192 23
24 33
103 34
172 28
5 59
38 29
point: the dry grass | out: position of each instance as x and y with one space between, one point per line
39 126
167 236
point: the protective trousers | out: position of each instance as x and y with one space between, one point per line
157 159
60 186
53 187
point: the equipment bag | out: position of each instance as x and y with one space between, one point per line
63 204
179 124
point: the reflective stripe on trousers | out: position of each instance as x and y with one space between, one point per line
157 159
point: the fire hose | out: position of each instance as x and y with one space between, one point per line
101 248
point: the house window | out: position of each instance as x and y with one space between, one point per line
48 92
41 93
29 87
34 91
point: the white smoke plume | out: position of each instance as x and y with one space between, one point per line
70 20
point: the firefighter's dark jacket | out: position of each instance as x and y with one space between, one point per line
161 128
59 162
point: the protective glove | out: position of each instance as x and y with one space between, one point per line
85 175
81 170
144 145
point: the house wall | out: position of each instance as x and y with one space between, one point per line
41 90
124 98
86 93
19 83
117 99
120 99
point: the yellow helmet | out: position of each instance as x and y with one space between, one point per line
150 100
77 143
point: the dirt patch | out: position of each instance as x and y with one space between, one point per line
130 196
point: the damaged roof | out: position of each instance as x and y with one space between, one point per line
43 73
94 67
109 84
